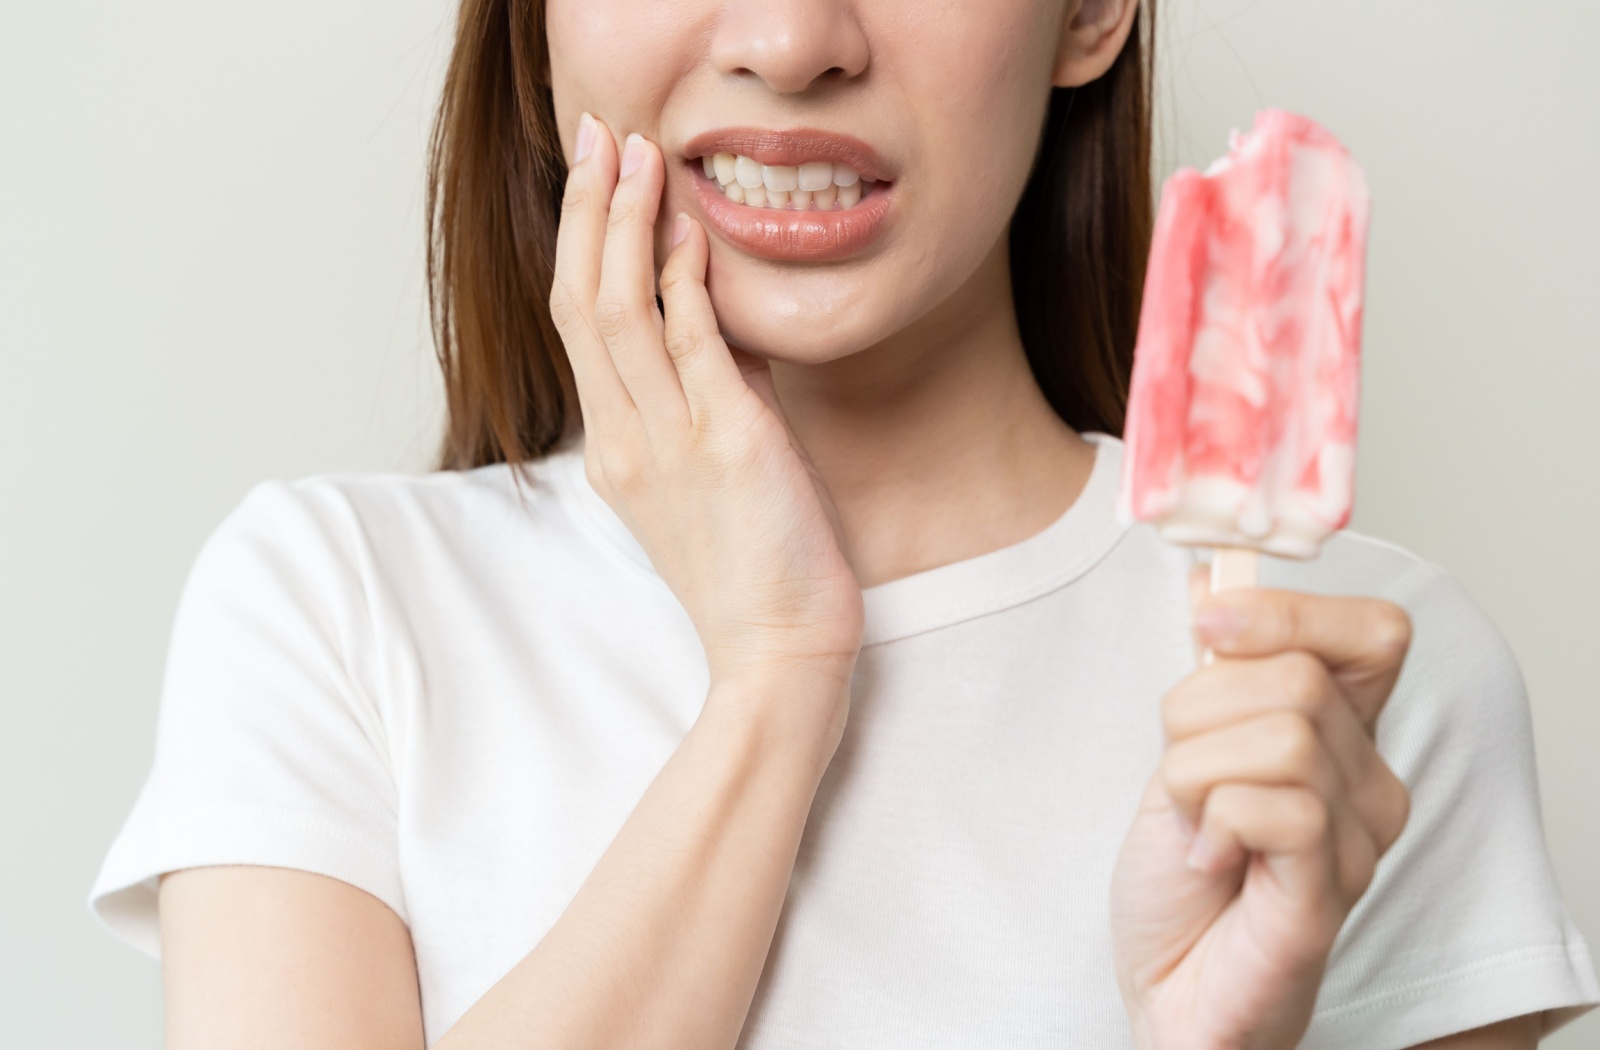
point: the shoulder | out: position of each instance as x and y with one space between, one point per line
1459 658
1460 704
361 524
357 564
388 504
1354 563
1464 924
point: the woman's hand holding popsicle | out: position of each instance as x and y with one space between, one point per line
1263 824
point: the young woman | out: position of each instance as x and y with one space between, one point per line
811 694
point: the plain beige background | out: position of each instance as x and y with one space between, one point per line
210 274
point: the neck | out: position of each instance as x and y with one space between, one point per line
937 444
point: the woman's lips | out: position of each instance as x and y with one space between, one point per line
794 236
794 146
812 235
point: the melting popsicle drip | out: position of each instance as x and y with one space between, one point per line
1241 425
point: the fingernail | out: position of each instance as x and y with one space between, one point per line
1201 854
680 229
632 154
585 138
1217 623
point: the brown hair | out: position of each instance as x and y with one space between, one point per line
496 173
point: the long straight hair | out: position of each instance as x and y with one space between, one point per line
496 173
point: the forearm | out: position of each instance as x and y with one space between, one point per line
664 942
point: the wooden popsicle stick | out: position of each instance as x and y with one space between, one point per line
1232 567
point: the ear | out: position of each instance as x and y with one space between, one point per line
1092 37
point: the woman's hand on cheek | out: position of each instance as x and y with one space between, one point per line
685 438
1264 822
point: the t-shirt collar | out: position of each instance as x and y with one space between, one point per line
947 594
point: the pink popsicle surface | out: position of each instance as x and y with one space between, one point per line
1241 426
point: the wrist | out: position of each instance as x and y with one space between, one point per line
781 661
785 710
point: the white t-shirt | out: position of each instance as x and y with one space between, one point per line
452 699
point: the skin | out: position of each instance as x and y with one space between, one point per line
911 384
771 477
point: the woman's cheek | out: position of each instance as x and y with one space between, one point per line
616 58
980 82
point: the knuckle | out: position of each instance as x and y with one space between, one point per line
1177 775
563 307
1172 777
623 214
1402 805
611 320
1280 617
593 471
576 197
1397 811
681 341
1358 865
1302 680
618 469
1311 818
1390 627
1295 743
1226 804
1174 712
673 280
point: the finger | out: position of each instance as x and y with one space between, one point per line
580 238
1356 855
625 311
1293 829
1362 640
1235 690
706 367
1232 692
1279 747
1322 854
1383 803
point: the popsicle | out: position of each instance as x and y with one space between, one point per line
1241 426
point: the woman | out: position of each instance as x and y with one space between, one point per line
810 693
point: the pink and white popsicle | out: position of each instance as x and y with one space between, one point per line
1241 426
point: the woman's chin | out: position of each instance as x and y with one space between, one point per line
800 340
812 322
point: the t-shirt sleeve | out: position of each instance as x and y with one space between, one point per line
270 749
1464 924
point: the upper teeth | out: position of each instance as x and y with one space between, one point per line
819 184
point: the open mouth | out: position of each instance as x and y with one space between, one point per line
818 185
800 195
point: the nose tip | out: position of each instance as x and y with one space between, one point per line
791 45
